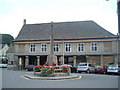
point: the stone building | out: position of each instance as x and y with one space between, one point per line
74 42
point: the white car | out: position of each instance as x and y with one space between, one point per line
85 67
115 69
3 65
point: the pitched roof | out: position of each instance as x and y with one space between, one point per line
11 49
63 30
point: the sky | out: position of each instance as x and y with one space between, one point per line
13 12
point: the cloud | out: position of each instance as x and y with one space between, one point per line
39 11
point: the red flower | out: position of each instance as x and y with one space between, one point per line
52 68
46 66
38 66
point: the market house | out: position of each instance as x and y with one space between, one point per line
74 42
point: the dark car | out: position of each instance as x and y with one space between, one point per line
72 68
29 67
101 69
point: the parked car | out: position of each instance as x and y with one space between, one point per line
3 65
100 69
113 69
29 67
72 68
85 67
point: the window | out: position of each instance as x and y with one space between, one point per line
80 47
32 47
68 47
94 46
56 47
43 47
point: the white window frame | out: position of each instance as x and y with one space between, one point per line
94 46
32 48
56 47
43 47
81 47
68 47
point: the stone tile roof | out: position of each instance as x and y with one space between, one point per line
63 30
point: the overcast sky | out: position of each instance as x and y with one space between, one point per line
12 13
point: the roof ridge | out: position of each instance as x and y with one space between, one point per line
60 22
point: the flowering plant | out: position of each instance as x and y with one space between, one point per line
47 70
50 67
65 68
37 68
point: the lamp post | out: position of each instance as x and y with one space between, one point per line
118 12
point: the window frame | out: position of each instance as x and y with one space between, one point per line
56 47
94 46
43 47
81 47
68 47
32 48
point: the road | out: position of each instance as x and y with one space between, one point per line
14 79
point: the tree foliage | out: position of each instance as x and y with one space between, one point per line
6 39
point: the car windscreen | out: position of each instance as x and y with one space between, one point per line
98 67
82 65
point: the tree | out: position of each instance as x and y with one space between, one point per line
6 39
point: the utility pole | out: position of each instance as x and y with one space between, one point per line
118 12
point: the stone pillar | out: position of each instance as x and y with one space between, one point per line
20 63
16 62
87 59
74 61
38 60
101 60
116 59
26 60
61 60
52 59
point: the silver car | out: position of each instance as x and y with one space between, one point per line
85 67
113 69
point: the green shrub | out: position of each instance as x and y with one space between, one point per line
46 72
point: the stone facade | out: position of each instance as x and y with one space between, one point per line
106 52
74 42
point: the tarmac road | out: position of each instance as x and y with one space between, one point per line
15 79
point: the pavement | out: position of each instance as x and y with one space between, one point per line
72 76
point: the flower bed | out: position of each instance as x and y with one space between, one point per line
65 69
50 71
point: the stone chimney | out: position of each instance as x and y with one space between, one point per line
24 22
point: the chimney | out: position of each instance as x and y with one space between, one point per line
24 22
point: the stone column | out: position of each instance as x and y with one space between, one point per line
61 60
87 59
16 62
38 60
101 60
26 60
51 60
20 63
74 61
116 59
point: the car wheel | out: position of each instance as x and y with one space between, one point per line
88 71
79 71
104 72
26 69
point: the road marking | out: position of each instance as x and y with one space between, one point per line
25 77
